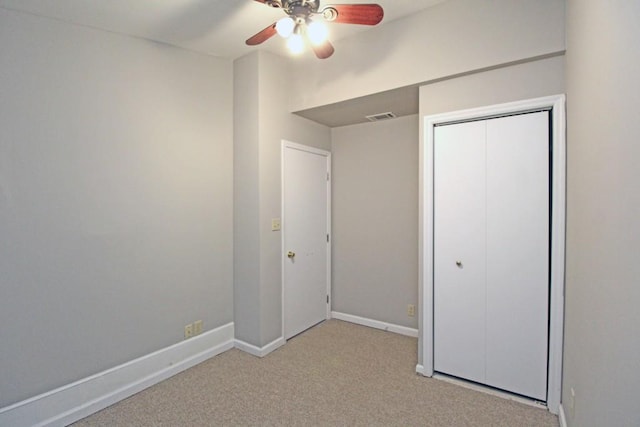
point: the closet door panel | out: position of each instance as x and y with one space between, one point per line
517 224
459 237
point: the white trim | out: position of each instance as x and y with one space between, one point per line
561 416
330 233
327 154
489 390
558 234
402 330
420 369
556 104
77 400
306 148
259 351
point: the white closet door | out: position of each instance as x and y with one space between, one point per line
459 236
491 243
518 253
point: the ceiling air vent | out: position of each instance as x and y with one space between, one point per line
381 116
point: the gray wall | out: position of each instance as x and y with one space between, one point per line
375 220
602 342
115 200
449 39
246 200
263 80
522 81
505 84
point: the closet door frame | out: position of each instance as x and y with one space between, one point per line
556 105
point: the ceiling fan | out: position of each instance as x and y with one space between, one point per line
304 23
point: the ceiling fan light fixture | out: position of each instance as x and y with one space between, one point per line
317 32
295 43
301 31
285 27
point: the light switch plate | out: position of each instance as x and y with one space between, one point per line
275 224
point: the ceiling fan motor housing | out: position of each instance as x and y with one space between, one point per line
301 7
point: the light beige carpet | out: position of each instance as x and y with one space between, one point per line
335 374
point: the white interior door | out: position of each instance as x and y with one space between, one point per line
491 252
306 248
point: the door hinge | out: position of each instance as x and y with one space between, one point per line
327 299
328 176
327 238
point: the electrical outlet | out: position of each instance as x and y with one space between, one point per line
197 327
411 310
188 330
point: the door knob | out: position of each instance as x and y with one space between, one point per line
291 254
459 264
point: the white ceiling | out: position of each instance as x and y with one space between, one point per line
214 27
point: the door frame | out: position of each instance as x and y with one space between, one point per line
555 104
285 145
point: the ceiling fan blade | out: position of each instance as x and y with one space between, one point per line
324 50
262 36
362 14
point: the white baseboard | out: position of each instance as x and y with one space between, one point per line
402 330
257 351
77 400
561 416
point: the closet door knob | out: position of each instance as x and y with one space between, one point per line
459 264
